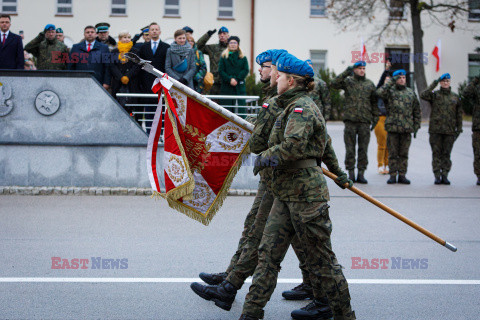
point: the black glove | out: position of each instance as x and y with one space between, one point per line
342 180
210 32
183 81
372 127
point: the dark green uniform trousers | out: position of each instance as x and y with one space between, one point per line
442 145
476 152
352 132
310 221
248 224
398 145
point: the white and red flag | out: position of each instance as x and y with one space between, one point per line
437 53
203 150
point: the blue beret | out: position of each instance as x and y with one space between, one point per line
445 76
265 56
49 27
400 72
290 64
277 53
222 29
309 61
187 29
359 64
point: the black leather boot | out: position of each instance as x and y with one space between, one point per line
392 180
315 310
402 179
361 178
300 292
438 178
213 278
445 179
223 294
351 175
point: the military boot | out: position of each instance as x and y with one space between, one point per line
351 175
300 292
393 179
445 179
213 278
361 178
317 310
438 178
247 317
402 179
223 294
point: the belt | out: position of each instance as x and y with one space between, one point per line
298 164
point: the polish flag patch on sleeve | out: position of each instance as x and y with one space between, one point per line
298 110
266 105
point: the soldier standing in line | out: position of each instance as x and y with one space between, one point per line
403 119
444 127
472 91
48 50
214 52
360 116
321 95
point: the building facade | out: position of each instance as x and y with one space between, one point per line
303 27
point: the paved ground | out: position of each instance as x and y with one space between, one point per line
166 250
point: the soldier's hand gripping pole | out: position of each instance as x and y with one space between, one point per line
394 213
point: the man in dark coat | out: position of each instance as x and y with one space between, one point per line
91 55
11 46
155 51
103 35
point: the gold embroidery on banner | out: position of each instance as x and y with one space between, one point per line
175 169
230 137
197 149
201 195
180 102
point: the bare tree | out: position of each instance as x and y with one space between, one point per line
355 14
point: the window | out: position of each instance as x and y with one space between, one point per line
397 11
119 8
474 10
172 8
318 8
319 59
8 6
64 7
473 65
225 9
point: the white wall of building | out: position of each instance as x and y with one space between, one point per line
282 24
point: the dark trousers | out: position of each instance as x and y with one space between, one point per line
442 145
398 145
476 152
352 132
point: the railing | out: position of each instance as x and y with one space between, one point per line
140 113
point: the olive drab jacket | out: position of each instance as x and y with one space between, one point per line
360 97
472 91
446 114
403 108
214 52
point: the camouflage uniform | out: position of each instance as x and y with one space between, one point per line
403 118
214 52
47 51
299 208
361 114
321 96
472 91
444 127
264 199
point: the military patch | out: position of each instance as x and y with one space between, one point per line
266 105
298 110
